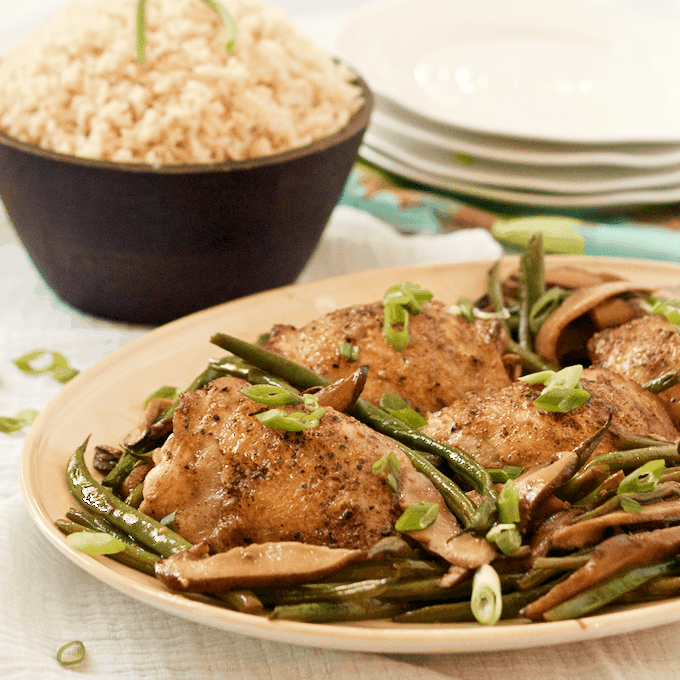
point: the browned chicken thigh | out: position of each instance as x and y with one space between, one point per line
446 356
233 481
506 428
642 350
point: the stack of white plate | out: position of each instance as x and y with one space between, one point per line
553 103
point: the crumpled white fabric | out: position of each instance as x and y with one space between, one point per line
46 601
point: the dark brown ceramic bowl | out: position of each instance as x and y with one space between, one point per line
140 244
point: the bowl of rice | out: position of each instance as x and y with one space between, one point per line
148 180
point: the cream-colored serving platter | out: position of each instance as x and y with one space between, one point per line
105 402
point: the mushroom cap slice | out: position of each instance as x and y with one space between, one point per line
259 564
551 339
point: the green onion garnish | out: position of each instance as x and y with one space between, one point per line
466 310
169 520
95 543
486 601
270 395
58 367
71 654
662 307
390 465
417 517
140 26
629 504
643 479
508 503
348 351
502 475
297 421
399 301
546 304
562 392
399 408
9 424
506 537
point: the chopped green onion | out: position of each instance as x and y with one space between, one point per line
417 517
643 479
270 395
508 503
17 423
388 464
348 351
399 408
562 392
506 537
71 654
400 300
502 475
217 7
561 400
169 520
546 304
58 368
396 326
165 392
297 421
95 543
629 504
662 307
466 310
486 601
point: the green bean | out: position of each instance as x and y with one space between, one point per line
626 442
663 382
104 503
531 362
91 521
494 289
603 594
120 470
633 458
304 378
132 556
452 612
326 592
584 482
459 504
324 612
531 288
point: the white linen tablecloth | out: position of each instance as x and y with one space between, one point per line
46 601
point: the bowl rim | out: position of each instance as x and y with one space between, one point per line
358 121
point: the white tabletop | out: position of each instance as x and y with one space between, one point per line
46 601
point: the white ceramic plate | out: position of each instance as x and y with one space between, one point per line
393 120
563 179
539 69
492 192
104 401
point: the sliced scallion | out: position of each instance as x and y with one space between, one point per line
399 408
297 421
348 351
562 392
486 601
506 537
270 395
71 654
390 465
508 503
643 479
502 475
417 517
58 366
95 543
399 301
10 424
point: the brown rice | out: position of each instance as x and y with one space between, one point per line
75 86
